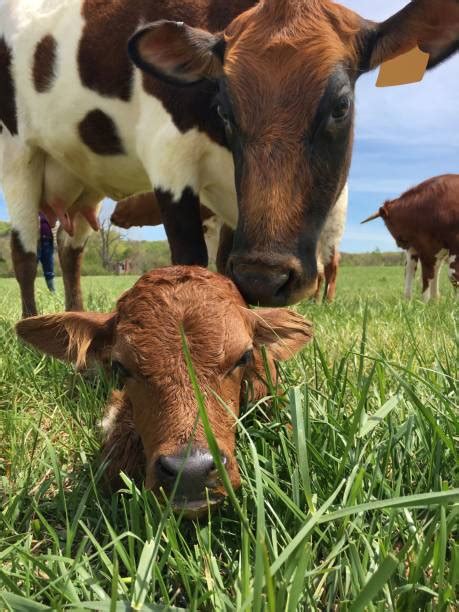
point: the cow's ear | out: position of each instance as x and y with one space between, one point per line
70 336
177 53
281 330
418 37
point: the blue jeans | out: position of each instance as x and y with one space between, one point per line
45 256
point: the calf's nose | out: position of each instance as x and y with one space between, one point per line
196 471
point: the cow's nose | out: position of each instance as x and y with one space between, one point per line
196 472
266 284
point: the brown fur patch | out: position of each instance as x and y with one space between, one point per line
99 133
44 64
7 89
110 72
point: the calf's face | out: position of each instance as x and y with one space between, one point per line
143 340
284 73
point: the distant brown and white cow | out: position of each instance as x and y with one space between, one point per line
261 134
425 222
153 423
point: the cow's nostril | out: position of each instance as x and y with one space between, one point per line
167 466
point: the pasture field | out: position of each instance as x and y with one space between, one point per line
348 499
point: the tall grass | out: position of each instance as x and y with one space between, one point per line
348 498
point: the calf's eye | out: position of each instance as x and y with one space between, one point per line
119 370
245 359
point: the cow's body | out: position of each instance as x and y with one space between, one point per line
257 92
70 146
425 222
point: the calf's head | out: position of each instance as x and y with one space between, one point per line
143 341
284 73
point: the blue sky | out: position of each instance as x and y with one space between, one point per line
403 136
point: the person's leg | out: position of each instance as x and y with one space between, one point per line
47 262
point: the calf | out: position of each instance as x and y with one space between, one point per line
154 421
425 222
246 107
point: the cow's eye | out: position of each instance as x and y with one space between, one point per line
245 359
341 109
119 370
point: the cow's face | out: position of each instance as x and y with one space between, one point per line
284 74
143 341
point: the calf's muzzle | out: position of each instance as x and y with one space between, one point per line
191 476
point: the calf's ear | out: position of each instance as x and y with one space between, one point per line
418 37
282 331
70 336
177 53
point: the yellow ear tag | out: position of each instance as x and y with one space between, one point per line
406 68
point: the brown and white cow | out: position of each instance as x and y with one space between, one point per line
425 222
246 107
153 425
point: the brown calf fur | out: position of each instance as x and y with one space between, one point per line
143 341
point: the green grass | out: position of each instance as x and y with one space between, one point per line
347 501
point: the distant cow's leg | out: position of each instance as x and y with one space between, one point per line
434 287
212 230
22 179
71 256
183 225
331 274
453 270
318 293
410 272
428 275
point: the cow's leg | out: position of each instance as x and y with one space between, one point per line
428 275
22 180
183 225
410 272
331 274
71 249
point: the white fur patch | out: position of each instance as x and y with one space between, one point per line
108 421
333 230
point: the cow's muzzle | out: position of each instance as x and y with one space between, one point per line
271 280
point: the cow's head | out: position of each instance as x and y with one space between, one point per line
143 341
284 74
